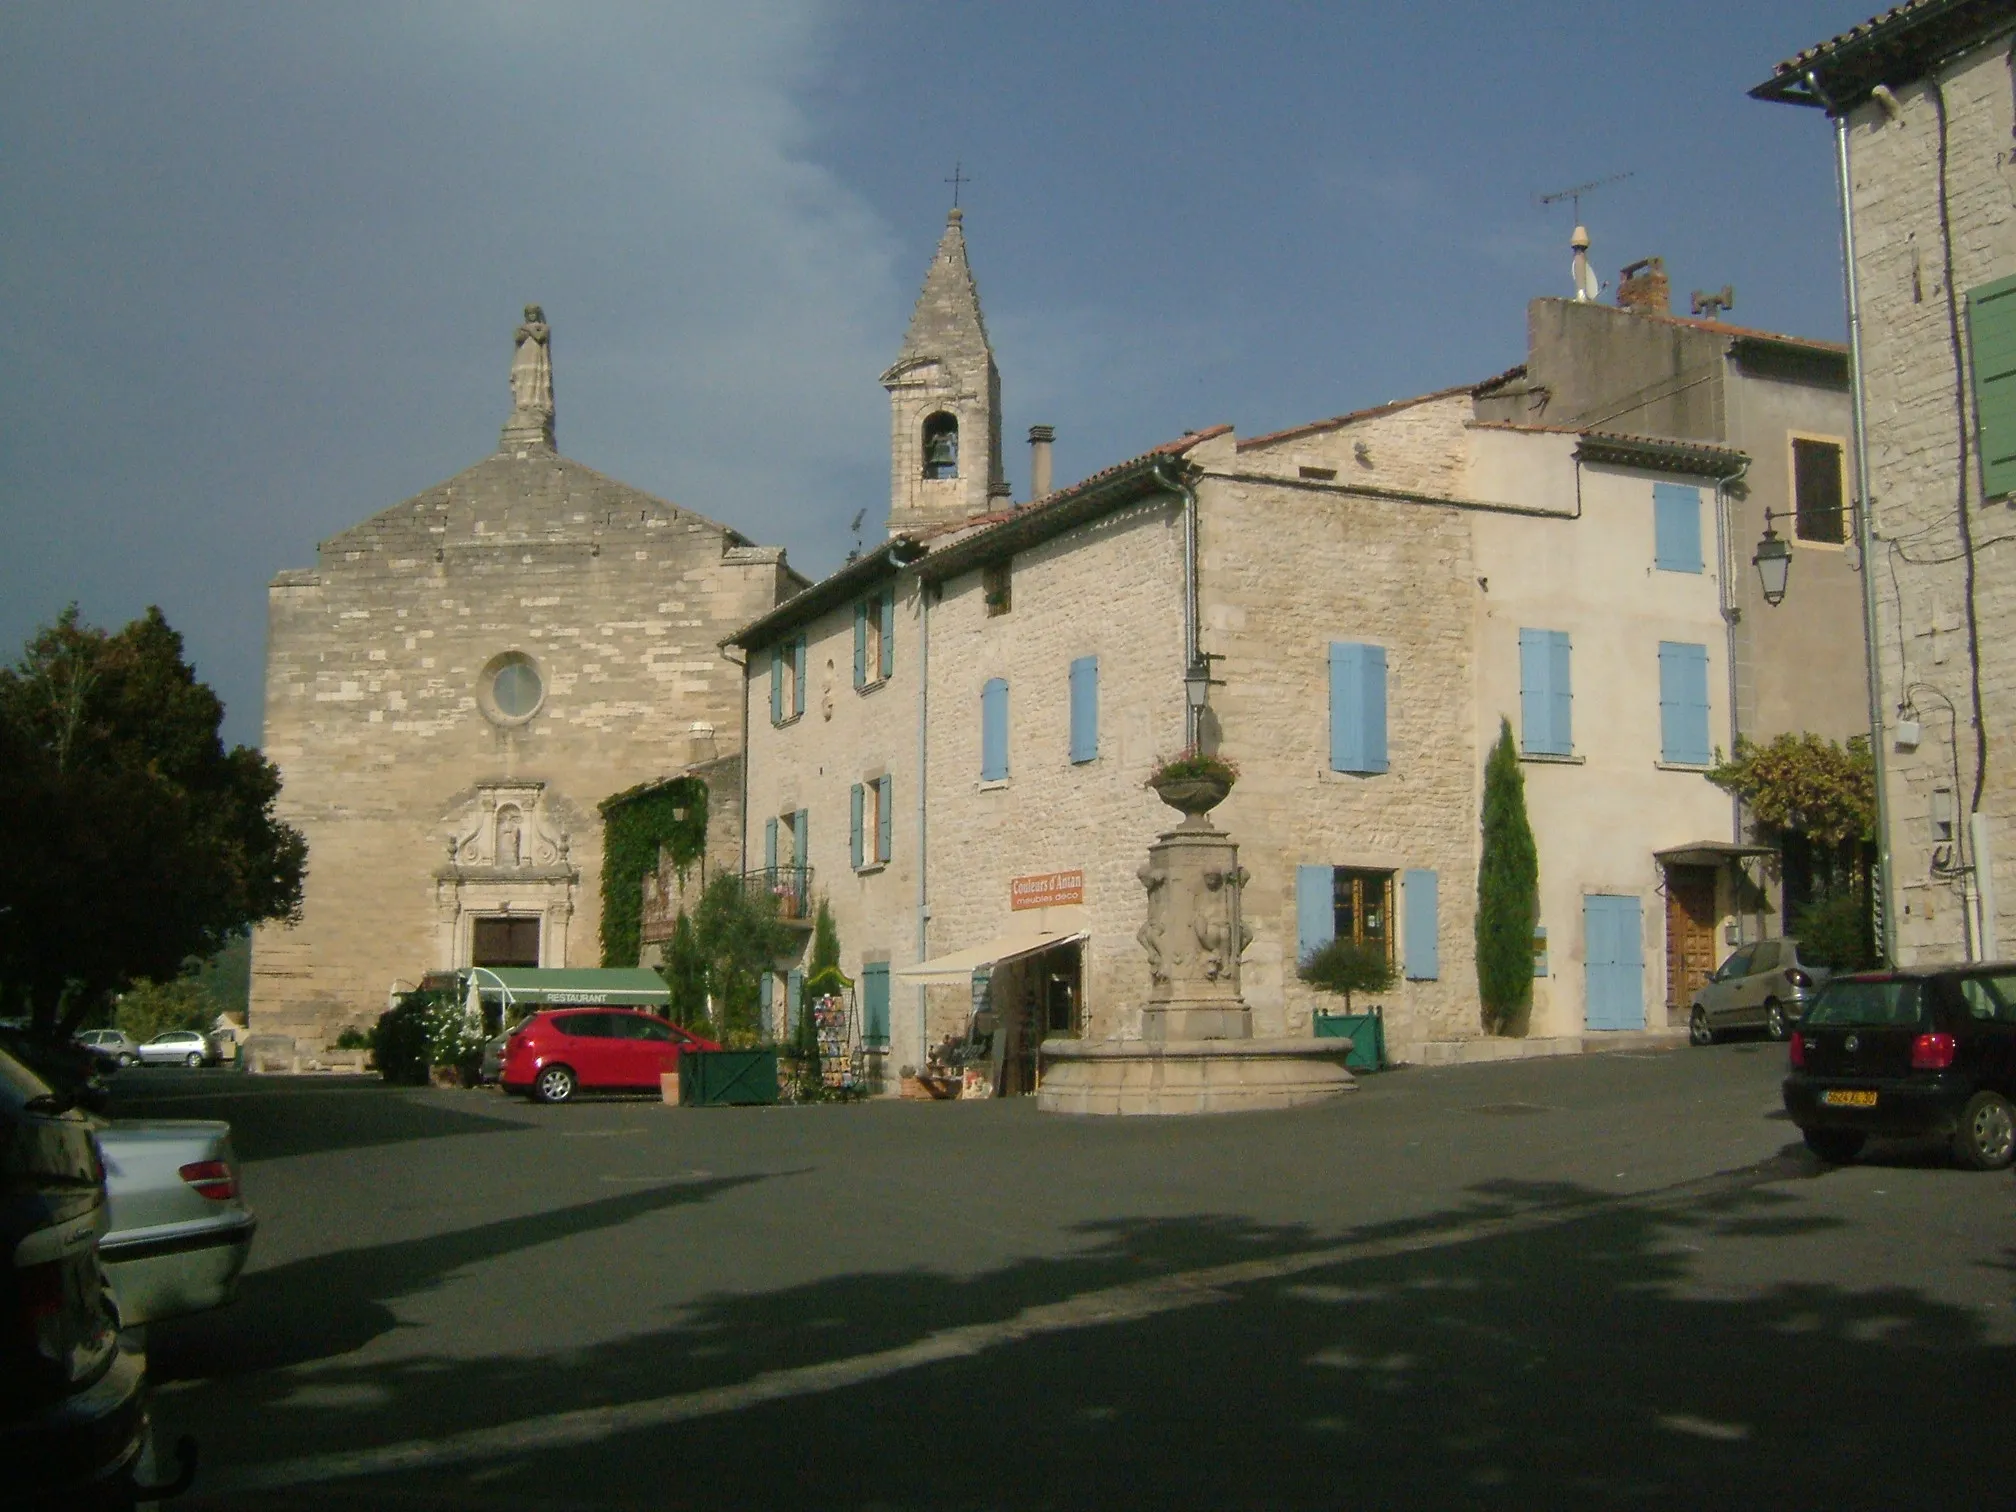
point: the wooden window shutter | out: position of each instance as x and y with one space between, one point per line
770 844
994 730
861 643
1561 692
1676 527
776 685
1315 909
1357 707
1085 708
798 676
800 838
888 668
1420 892
1683 704
884 816
1991 340
856 799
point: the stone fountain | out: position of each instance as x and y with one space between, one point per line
1196 1053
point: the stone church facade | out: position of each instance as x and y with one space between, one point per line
454 687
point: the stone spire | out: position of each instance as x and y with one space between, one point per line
945 401
530 427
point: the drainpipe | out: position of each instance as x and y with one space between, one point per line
923 807
1730 614
1174 482
1865 532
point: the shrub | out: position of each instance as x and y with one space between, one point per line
399 1040
1191 763
1347 966
155 1007
353 1038
1837 932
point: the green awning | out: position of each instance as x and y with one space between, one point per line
634 986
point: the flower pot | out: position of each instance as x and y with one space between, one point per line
1192 795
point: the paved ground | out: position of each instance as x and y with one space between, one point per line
1603 1281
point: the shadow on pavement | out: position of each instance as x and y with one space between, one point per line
273 1118
1540 1345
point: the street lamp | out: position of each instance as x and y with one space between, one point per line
1197 683
1773 562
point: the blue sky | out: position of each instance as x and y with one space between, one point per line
261 263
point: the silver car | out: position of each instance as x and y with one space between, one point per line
115 1045
1763 985
179 1047
180 1229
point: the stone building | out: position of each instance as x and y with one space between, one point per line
457 684
1920 99
949 738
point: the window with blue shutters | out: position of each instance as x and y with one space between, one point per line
994 730
776 685
1421 927
787 680
886 652
861 648
1683 704
1676 527
1357 707
1343 903
1546 694
875 1005
875 638
798 677
1085 708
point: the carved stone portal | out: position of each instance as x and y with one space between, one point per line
508 853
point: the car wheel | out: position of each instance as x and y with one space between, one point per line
1986 1139
1698 1030
555 1084
193 1058
127 1059
1774 1019
1835 1146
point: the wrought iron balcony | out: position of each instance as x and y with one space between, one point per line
791 886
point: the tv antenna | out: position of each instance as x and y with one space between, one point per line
1574 195
859 515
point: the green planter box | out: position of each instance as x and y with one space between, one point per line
727 1078
1366 1031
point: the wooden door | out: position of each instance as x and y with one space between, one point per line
1690 932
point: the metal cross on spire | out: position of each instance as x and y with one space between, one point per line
956 180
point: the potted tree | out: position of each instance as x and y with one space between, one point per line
1344 967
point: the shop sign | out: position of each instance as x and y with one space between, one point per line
1047 891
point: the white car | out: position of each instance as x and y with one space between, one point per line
180 1231
114 1044
179 1047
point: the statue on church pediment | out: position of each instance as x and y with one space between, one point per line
531 381
508 828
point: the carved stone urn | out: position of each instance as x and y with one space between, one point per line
1191 795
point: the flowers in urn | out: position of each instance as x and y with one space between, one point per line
1193 781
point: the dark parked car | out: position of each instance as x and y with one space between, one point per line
560 1050
1763 985
1923 1051
72 1414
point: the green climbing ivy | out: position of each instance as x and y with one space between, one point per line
635 825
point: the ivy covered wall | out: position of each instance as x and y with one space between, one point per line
635 824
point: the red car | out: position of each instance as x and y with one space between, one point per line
558 1051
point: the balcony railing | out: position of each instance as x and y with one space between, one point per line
791 886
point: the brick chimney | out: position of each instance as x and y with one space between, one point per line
1040 437
1642 287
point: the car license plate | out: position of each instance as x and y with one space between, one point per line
1844 1097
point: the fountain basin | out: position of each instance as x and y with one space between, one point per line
1129 1077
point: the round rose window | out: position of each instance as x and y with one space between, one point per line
512 688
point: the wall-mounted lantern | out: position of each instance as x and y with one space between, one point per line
1773 562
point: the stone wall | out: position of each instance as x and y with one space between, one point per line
1920 407
375 714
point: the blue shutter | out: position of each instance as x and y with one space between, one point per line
856 797
1536 717
1561 691
884 817
798 838
798 676
861 643
1422 926
1683 703
1991 346
875 1005
1357 707
794 993
888 667
770 844
776 685
1315 909
1085 708
994 730
1676 527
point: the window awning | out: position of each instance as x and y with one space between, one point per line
635 986
961 964
1710 853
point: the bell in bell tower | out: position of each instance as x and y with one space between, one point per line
945 401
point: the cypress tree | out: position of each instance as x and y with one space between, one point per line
1508 891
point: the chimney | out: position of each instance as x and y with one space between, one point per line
1642 287
1040 437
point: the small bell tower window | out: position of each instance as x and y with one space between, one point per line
941 445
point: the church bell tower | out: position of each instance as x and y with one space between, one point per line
945 402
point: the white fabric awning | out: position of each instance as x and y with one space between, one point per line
961 964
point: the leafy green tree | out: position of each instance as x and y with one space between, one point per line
151 1008
1347 966
822 975
685 973
136 841
1836 931
1804 783
741 938
1508 891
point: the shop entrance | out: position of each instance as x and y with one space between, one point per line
1033 998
